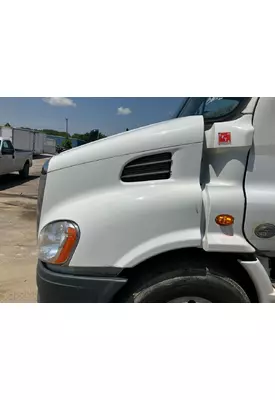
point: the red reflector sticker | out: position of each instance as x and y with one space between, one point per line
225 138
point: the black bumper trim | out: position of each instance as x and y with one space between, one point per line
54 287
95 272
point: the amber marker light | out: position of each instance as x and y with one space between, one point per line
224 220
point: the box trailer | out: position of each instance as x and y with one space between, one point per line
49 145
23 139
26 139
6 132
39 140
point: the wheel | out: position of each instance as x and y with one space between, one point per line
24 173
188 282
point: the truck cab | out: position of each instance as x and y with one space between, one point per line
178 211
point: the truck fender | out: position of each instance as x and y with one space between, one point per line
189 238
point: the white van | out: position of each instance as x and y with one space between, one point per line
12 160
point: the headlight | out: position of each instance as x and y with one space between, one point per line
57 242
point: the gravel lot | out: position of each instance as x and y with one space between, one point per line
18 254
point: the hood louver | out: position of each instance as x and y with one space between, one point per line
148 168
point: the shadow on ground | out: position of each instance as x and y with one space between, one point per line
41 156
12 180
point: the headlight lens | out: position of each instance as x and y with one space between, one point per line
57 242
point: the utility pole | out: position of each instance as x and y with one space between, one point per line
67 124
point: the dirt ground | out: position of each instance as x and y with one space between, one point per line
18 253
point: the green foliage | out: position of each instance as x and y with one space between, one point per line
89 136
80 136
7 125
53 132
67 144
86 137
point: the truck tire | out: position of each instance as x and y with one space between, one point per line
24 173
191 284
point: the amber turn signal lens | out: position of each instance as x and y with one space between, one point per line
224 220
67 246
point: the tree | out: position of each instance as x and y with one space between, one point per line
91 136
53 132
8 125
94 135
67 144
127 129
85 136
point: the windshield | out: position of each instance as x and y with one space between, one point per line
211 107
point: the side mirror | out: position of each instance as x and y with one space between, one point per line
7 151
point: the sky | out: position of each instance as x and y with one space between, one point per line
109 115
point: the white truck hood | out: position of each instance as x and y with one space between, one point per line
165 134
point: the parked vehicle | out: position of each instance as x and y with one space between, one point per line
179 211
49 145
39 140
24 139
60 139
12 160
59 149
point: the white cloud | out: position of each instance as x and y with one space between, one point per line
59 101
123 111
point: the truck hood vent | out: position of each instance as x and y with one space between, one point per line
148 168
